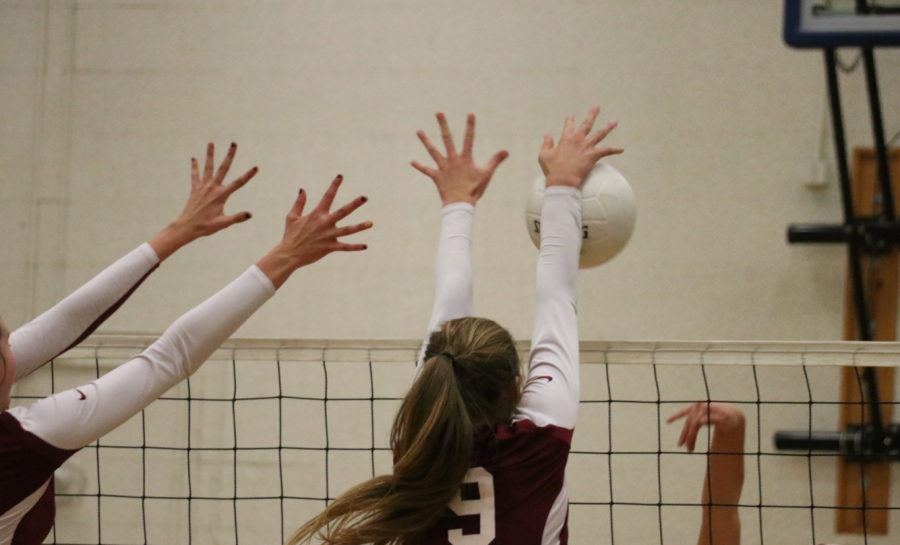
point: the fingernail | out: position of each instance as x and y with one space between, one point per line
255 169
193 159
248 215
368 224
363 199
301 192
340 176
233 145
365 247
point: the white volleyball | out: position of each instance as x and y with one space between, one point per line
608 214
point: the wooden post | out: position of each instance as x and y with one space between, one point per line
869 484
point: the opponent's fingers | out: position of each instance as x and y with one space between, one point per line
195 171
430 172
241 182
208 168
328 198
585 128
469 139
602 133
299 204
226 164
495 161
347 209
432 151
446 135
352 229
679 414
569 125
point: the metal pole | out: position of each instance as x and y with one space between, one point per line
884 172
853 253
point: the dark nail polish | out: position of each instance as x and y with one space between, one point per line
365 247
233 145
248 215
255 169
364 199
301 192
340 176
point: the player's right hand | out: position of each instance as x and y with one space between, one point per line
457 177
571 161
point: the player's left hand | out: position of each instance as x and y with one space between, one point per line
204 213
458 178
725 417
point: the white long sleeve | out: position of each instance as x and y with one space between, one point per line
74 418
79 314
551 393
453 296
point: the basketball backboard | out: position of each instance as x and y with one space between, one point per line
842 23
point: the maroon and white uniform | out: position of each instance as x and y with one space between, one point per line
515 492
37 439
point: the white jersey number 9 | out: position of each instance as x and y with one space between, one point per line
480 505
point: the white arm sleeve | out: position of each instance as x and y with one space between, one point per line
453 271
75 418
78 315
551 393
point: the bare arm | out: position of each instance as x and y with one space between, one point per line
725 471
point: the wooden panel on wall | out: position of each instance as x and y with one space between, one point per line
869 483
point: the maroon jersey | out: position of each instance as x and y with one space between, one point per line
515 493
27 464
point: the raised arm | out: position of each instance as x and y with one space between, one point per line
552 389
724 477
460 183
81 313
74 418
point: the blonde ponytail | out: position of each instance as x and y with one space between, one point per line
467 381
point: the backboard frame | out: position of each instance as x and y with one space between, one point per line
804 28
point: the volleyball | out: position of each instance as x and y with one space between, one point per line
608 214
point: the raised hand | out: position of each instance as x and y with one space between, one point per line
204 213
726 418
309 238
457 177
571 161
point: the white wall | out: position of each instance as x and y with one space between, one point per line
105 101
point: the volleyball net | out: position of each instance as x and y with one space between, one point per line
267 432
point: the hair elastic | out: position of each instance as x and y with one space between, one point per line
453 361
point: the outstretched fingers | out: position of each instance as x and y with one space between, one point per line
430 172
585 128
195 172
347 209
299 205
352 229
208 167
432 151
328 198
568 127
241 182
495 161
601 133
446 135
226 164
469 139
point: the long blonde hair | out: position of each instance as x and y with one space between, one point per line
468 380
